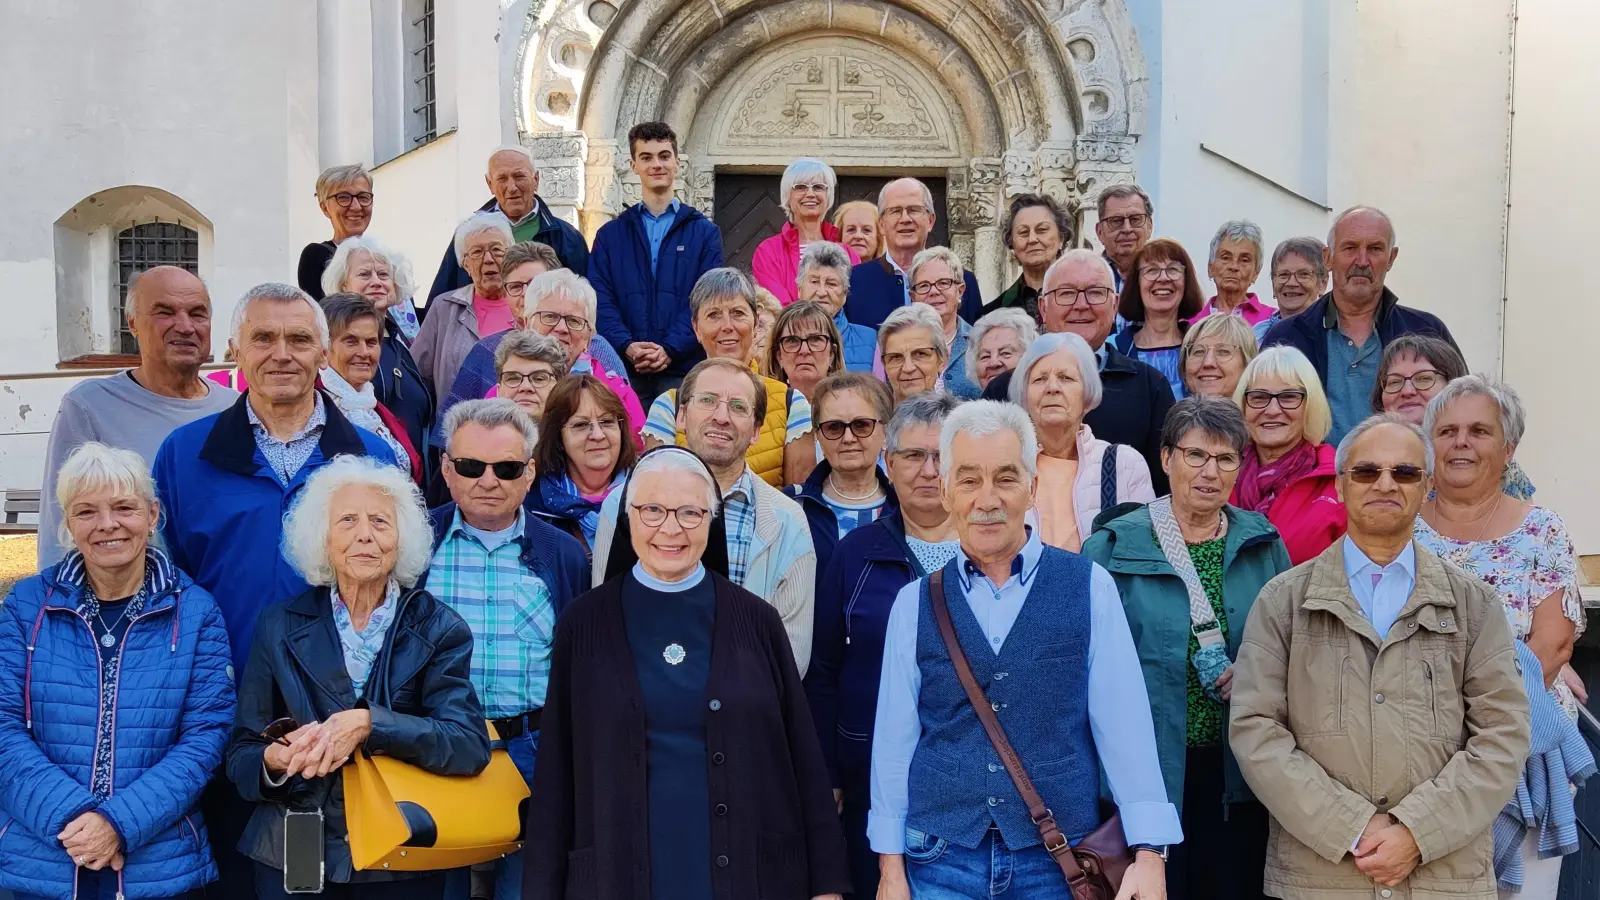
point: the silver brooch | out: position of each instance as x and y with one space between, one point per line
674 654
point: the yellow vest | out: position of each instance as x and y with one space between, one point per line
766 454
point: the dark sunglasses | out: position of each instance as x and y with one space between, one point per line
833 429
1367 473
506 470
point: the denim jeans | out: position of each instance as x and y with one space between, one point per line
940 870
507 869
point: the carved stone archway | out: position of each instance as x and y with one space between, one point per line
998 96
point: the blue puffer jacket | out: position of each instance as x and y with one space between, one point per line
174 706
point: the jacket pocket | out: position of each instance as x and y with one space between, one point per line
191 832
1445 711
923 848
534 618
781 866
1318 688
582 876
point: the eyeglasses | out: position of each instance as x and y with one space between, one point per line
738 407
477 254
1156 273
513 380
1367 473
584 426
362 199
1224 353
552 319
505 470
816 343
1117 223
1423 381
924 288
916 457
922 356
818 188
1068 297
896 212
1263 399
833 429
516 288
1194 456
655 515
1304 276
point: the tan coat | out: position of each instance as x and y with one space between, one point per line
1332 726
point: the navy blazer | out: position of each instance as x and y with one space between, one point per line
824 525
556 557
1307 332
399 386
876 290
561 237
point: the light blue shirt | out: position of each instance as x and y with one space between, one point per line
669 587
656 227
905 280
1119 708
494 540
1352 371
1383 600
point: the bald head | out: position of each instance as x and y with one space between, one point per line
160 281
513 180
169 312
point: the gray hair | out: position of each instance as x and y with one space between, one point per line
1308 248
1023 202
531 345
927 195
563 283
491 414
1341 456
981 418
305 528
715 284
936 254
335 177
511 148
826 255
806 167
92 466
1006 317
1078 255
927 408
1214 416
339 267
910 317
671 459
1238 230
1046 344
278 292
1394 241
1119 191
1513 417
478 223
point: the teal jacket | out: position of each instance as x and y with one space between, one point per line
1124 542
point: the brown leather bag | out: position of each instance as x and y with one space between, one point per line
1095 867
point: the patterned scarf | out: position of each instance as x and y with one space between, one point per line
561 498
1211 660
1260 483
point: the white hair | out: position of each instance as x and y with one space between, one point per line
936 254
339 267
277 292
672 459
1006 317
1341 455
1079 255
1046 344
1238 230
478 223
93 466
511 148
981 418
1513 418
927 195
563 283
910 317
806 167
824 255
491 414
305 528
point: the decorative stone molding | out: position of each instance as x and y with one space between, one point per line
697 186
1103 161
561 162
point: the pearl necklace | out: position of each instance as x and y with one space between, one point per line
834 486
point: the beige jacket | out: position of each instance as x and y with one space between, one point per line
1332 726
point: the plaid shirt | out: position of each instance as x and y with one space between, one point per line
509 611
286 458
739 512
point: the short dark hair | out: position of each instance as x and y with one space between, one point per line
1062 218
1120 191
344 310
1444 357
720 362
1131 306
651 131
803 312
1215 416
531 251
550 456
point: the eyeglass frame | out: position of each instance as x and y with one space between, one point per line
1371 473
842 426
604 423
478 254
1050 297
539 316
351 197
805 340
701 514
1277 396
1135 221
1183 453
720 401
1437 375
526 376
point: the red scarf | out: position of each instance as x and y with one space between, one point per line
1260 483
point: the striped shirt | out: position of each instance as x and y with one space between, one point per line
510 613
739 514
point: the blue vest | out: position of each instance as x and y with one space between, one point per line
1039 682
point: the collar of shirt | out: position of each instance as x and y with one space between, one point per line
319 418
1358 563
491 540
533 212
1251 310
743 489
669 587
1023 566
671 210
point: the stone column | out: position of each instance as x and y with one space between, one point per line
601 193
984 183
560 158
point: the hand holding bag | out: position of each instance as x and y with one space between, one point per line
1094 868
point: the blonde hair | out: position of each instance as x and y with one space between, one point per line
845 209
1290 366
1233 329
93 466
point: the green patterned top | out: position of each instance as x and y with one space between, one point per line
1207 717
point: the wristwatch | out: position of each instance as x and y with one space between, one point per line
1160 850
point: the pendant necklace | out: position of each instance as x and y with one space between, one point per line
109 640
674 654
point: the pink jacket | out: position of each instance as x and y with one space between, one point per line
776 263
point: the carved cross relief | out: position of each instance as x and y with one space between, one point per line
837 92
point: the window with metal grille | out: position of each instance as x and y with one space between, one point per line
142 247
422 123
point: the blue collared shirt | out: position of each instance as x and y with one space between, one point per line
739 517
287 458
669 587
1352 371
1119 707
1381 598
905 280
656 227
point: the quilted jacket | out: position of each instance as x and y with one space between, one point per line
174 707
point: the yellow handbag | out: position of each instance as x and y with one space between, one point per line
403 818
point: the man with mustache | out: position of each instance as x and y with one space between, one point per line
880 286
169 313
1047 639
1344 333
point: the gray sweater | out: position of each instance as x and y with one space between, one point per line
118 411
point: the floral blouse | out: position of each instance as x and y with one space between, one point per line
1532 562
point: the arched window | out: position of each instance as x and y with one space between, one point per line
145 246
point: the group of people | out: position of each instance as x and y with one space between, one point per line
677 538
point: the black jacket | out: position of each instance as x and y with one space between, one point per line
424 711
1307 332
399 387
560 236
1133 407
773 819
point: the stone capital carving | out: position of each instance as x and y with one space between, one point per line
1021 172
984 180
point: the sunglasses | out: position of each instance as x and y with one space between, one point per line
833 429
1367 473
506 470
